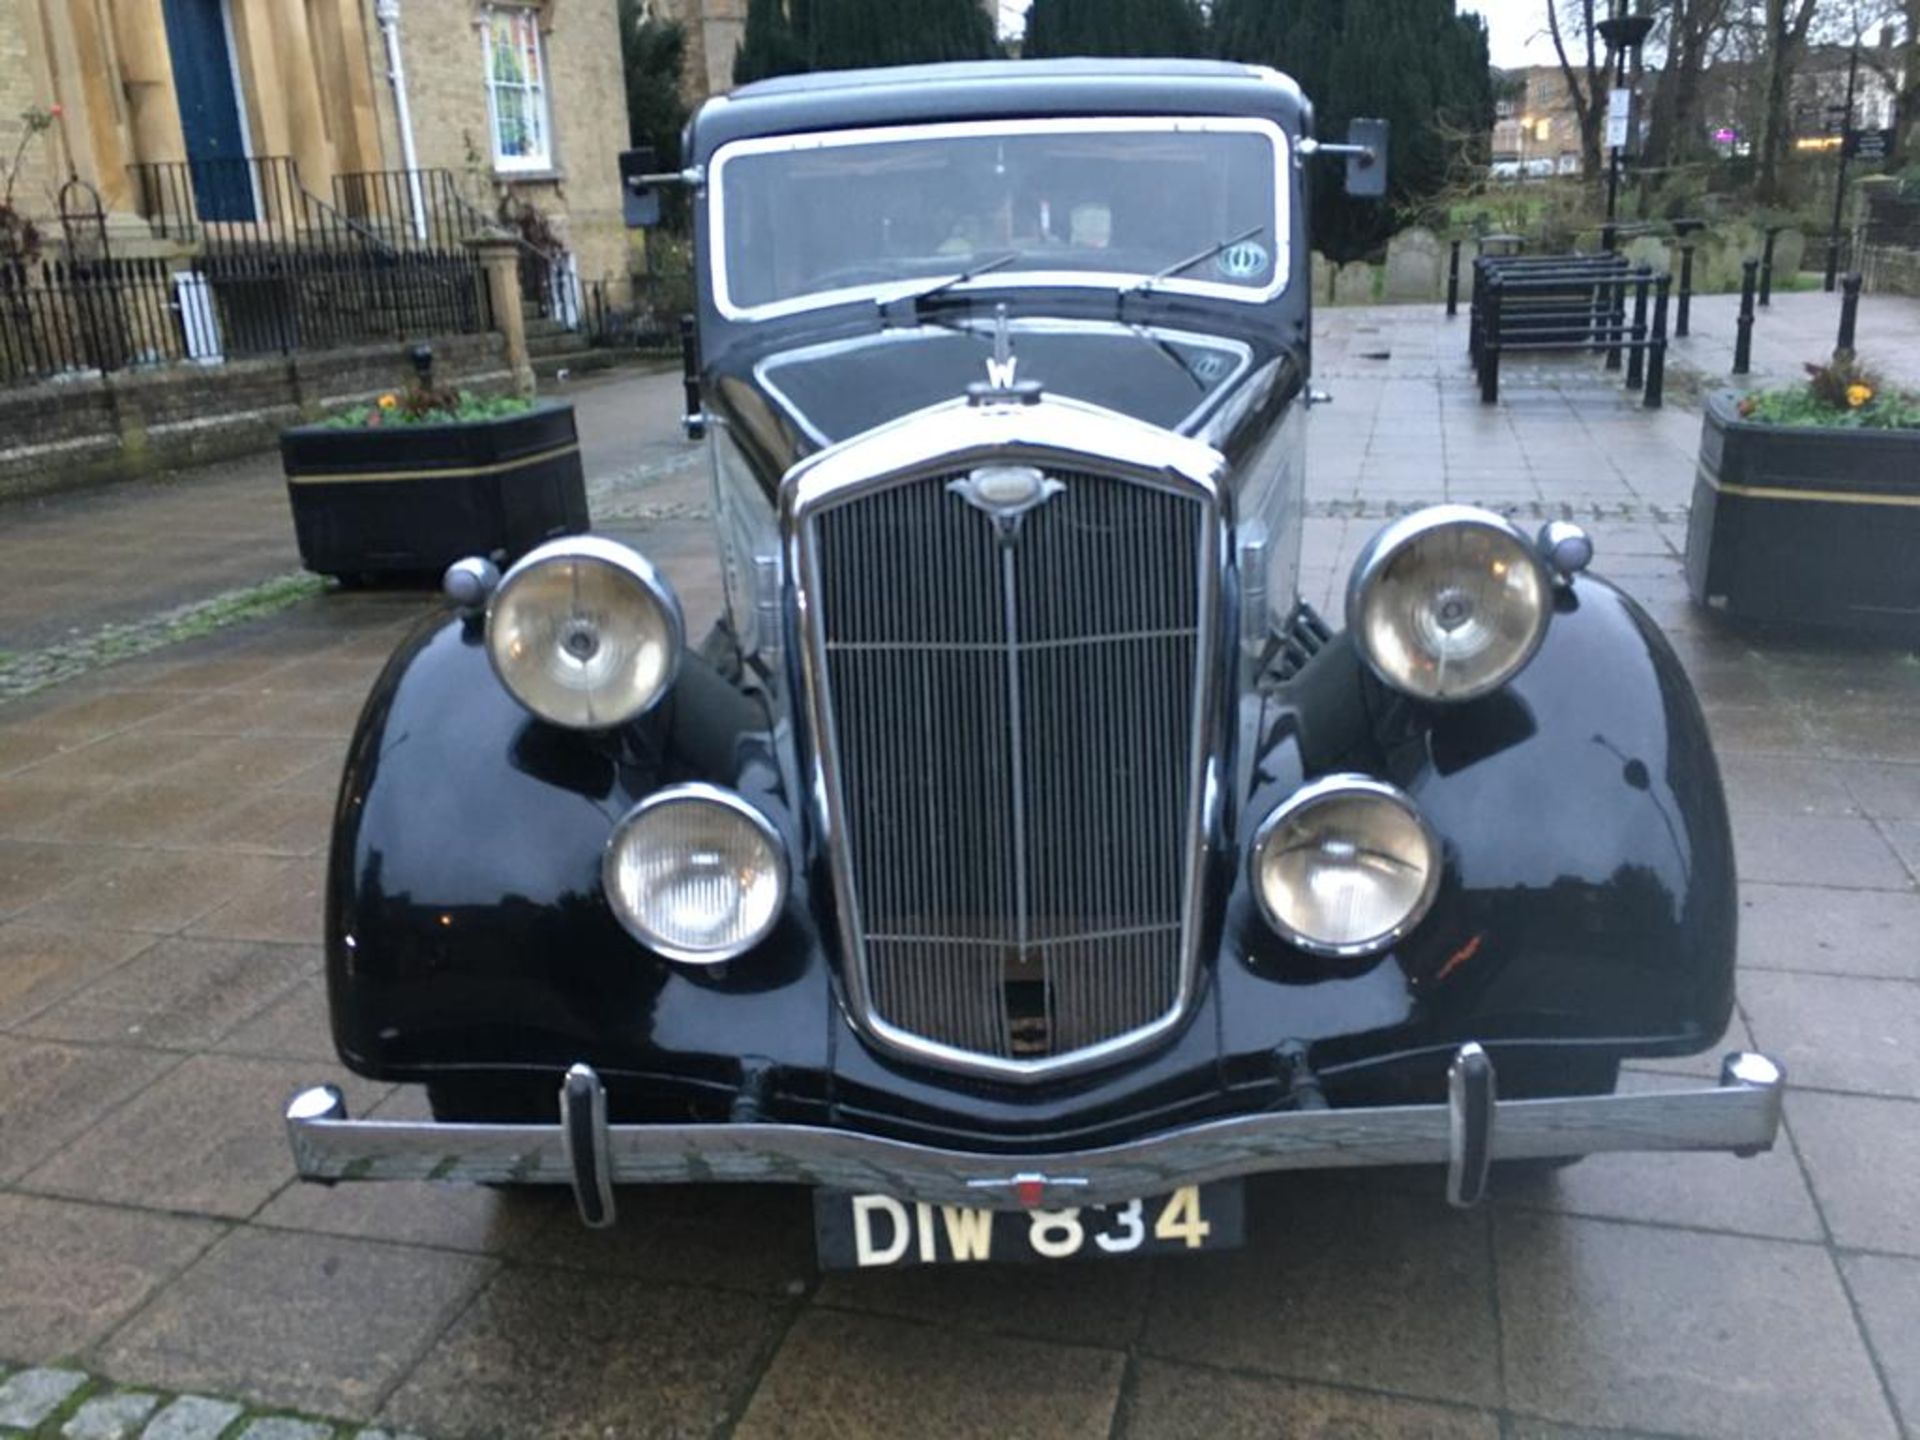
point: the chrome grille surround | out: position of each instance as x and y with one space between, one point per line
1055 435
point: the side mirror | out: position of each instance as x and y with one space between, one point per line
1366 152
639 199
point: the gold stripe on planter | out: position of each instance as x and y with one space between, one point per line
1824 497
464 472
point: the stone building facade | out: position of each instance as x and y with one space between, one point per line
1537 132
527 94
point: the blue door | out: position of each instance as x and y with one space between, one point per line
203 78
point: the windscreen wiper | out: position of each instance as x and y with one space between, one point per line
985 267
1146 283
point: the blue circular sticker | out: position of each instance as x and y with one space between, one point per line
1243 261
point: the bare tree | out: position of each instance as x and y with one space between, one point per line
1687 35
1587 86
1907 117
1786 26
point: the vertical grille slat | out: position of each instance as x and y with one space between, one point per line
1013 713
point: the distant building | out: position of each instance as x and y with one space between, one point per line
1537 130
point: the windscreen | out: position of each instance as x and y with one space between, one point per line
809 220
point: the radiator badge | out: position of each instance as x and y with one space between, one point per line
1006 492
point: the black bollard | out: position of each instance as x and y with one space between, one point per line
1743 323
1489 339
1686 288
1474 314
1766 266
1453 281
1849 309
1657 346
1616 320
1607 234
1637 339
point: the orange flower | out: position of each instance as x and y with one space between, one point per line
389 400
1858 395
1746 406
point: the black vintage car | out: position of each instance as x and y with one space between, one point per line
1020 841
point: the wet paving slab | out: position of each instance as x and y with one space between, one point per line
163 824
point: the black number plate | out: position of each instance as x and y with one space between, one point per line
859 1232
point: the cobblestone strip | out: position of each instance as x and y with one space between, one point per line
60 1403
31 670
1615 511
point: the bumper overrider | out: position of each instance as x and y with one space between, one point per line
1466 1134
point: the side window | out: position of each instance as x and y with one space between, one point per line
516 90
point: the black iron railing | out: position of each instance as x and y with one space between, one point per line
59 318
286 270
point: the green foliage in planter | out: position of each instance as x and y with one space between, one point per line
1841 394
428 407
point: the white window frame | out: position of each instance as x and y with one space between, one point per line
536 89
883 290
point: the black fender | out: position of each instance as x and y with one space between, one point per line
1587 899
466 922
1586 903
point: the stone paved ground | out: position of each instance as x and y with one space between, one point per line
1803 326
161 828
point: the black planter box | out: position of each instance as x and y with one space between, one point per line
412 499
1795 522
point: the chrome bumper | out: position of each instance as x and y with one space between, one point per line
1466 1134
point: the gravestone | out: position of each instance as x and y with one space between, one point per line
1354 284
1323 273
1414 261
1649 250
1789 253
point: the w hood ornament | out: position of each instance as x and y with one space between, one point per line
1001 388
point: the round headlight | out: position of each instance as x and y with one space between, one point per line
1449 603
585 633
696 873
1345 866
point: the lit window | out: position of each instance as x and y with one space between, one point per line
516 91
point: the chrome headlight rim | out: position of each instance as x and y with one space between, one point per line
635 566
1318 791
1392 538
698 792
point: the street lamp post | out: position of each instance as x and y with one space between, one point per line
1840 181
1622 33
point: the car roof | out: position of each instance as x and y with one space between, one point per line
910 94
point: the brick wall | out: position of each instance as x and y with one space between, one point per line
56 436
586 100
23 86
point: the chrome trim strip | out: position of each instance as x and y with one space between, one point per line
882 291
1055 432
1741 1114
704 793
764 370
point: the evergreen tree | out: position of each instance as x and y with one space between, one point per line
855 34
1114 27
1414 63
769 46
653 53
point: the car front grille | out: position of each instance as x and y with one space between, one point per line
1011 717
